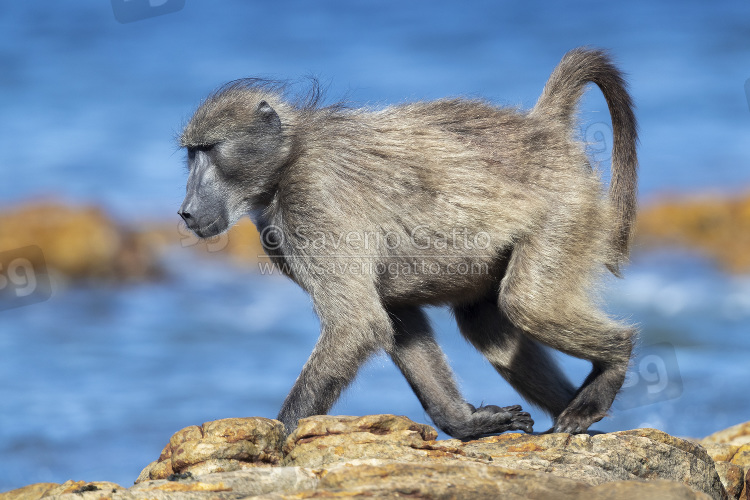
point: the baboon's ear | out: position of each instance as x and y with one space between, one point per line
268 115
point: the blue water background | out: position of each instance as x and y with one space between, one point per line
94 381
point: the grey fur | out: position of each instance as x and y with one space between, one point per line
496 212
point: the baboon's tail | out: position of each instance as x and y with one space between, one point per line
558 101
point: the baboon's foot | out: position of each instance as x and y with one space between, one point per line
491 419
593 401
577 417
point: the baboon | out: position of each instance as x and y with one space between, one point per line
495 212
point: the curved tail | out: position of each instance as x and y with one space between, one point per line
558 101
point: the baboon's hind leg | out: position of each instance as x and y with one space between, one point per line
545 293
525 364
423 363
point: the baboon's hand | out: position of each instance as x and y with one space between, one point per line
492 419
518 420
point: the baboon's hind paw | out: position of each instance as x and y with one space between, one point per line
572 421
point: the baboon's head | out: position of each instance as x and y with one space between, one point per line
236 147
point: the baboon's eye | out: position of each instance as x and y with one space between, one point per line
202 147
194 149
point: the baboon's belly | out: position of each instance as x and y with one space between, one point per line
437 281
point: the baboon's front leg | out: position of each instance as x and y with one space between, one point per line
423 364
353 328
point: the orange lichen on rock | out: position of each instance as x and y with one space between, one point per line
78 242
715 226
85 243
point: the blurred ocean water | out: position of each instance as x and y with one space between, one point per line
95 380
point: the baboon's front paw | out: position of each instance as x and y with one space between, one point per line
493 419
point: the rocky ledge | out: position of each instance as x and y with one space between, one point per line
386 456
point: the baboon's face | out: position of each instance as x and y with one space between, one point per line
234 172
206 209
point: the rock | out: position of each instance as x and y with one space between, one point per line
474 480
742 457
220 446
388 480
652 490
253 481
733 465
326 442
639 454
387 456
31 492
732 477
79 243
69 488
720 452
79 487
458 480
731 448
716 226
83 243
736 435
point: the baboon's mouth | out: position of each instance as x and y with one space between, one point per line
211 229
